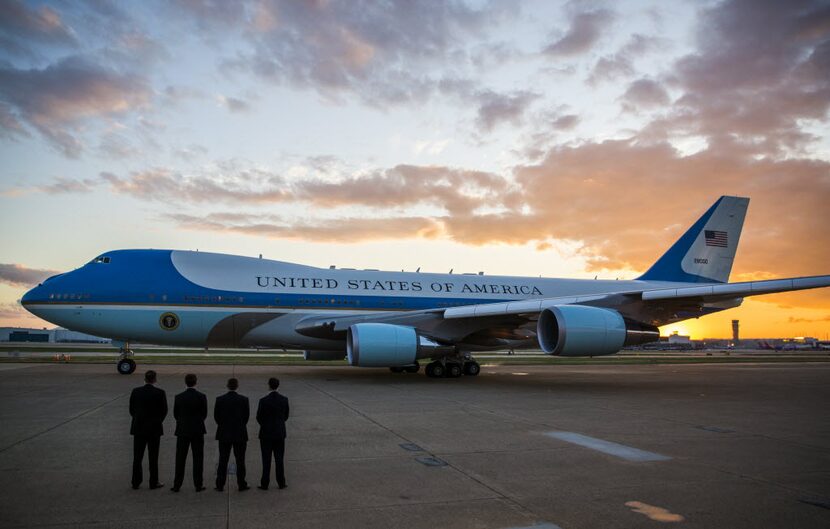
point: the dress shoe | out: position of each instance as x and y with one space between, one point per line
244 488
156 486
260 487
283 486
199 489
174 489
219 489
135 487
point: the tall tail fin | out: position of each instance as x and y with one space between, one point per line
704 254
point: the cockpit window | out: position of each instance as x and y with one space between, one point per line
101 259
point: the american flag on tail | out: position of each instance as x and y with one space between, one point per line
716 238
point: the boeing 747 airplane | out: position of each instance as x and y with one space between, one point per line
396 319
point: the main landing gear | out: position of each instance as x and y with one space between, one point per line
453 368
125 365
447 367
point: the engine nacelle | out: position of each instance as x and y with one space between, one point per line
578 330
385 345
324 355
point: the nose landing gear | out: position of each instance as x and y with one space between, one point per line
125 365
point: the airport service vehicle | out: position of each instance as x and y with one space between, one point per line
396 319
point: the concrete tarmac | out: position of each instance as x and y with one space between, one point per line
519 446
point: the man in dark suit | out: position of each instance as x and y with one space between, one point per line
231 413
190 411
148 408
271 416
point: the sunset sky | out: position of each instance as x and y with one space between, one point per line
562 139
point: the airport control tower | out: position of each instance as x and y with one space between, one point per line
735 332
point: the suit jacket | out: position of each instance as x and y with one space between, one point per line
271 416
231 413
148 408
190 410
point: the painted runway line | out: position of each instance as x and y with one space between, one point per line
539 525
658 514
607 447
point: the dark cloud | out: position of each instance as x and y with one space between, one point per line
245 186
58 99
234 104
136 49
547 127
644 94
117 146
584 32
212 14
10 126
760 69
566 122
67 185
19 275
376 51
620 65
495 108
22 26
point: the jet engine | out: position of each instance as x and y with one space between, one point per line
578 330
386 345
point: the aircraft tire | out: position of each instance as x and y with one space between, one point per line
472 368
126 366
454 370
435 370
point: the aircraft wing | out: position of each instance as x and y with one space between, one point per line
708 293
655 306
330 326
739 290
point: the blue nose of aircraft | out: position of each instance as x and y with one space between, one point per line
31 296
38 294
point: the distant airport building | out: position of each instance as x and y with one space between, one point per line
679 339
26 336
736 336
58 335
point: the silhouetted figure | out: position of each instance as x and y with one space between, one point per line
271 416
148 408
190 410
231 413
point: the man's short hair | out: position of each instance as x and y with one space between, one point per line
233 384
150 377
190 380
273 383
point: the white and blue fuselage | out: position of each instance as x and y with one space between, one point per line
232 301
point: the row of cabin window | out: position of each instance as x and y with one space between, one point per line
214 299
69 296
